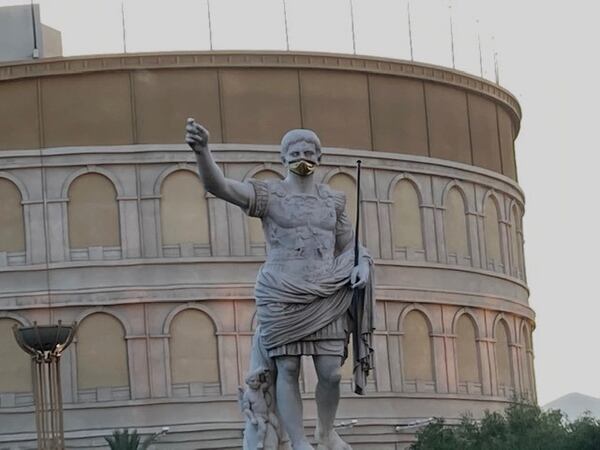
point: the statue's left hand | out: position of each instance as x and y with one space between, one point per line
360 275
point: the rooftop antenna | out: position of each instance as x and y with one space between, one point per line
352 23
210 39
410 37
451 34
285 20
496 64
123 26
36 50
480 53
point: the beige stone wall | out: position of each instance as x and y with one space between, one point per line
350 102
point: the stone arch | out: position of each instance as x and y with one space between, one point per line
168 171
193 349
456 184
414 307
15 370
22 187
184 217
102 363
493 216
93 224
268 167
13 232
456 224
338 171
468 311
211 314
468 365
511 334
417 348
515 214
410 239
349 190
92 169
526 341
503 360
106 310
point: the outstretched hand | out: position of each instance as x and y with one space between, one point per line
196 135
360 275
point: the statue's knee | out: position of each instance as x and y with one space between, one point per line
288 367
332 377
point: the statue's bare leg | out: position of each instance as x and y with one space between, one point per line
328 398
289 402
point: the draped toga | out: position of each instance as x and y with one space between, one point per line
303 293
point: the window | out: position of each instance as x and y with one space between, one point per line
193 349
406 219
12 230
93 212
101 353
184 215
417 350
467 354
492 235
455 227
15 369
503 362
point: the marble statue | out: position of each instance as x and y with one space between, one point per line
306 291
262 425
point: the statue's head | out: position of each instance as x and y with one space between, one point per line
301 151
255 378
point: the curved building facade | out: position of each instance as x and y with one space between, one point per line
104 222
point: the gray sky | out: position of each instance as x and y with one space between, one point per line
548 53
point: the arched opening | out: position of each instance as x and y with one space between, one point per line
455 228
93 212
527 363
15 364
469 373
194 355
102 358
406 222
491 223
345 183
255 230
518 266
184 216
12 227
504 370
417 353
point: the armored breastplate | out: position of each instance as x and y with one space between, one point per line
300 233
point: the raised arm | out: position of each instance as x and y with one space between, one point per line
211 175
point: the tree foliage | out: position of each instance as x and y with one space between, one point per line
123 440
522 426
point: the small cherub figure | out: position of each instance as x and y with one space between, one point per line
255 406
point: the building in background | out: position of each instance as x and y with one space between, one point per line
23 36
103 221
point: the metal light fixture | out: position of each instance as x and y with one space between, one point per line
45 344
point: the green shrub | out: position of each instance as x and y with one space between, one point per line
522 426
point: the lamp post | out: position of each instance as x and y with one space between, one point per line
45 344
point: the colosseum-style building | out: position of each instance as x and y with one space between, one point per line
103 221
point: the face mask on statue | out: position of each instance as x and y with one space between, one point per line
302 167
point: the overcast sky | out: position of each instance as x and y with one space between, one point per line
548 57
